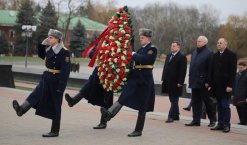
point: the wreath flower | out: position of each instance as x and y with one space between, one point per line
114 57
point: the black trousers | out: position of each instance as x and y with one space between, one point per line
55 126
174 109
242 112
200 95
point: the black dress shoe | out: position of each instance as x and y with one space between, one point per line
69 100
135 134
187 108
193 124
211 124
218 127
100 126
17 108
169 120
226 129
51 134
176 118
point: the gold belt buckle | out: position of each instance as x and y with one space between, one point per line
54 71
144 66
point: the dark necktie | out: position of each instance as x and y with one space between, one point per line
171 57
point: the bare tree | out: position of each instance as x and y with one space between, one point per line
69 7
173 22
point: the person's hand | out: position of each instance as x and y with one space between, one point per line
133 53
228 89
179 85
206 85
209 88
45 41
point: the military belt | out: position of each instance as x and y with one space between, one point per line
144 66
54 71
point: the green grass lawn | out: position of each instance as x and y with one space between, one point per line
37 60
23 88
16 59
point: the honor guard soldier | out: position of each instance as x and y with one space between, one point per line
47 97
94 92
139 92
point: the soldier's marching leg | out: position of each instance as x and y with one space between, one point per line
55 128
72 101
111 112
139 125
102 124
21 109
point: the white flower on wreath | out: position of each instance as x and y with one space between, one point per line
111 37
125 52
118 43
123 57
118 50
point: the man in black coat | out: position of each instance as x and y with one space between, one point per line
198 75
48 95
240 93
94 92
221 80
139 92
173 76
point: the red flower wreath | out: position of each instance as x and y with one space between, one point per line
114 56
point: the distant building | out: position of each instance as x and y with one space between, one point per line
8 21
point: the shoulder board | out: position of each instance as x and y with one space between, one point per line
153 46
65 48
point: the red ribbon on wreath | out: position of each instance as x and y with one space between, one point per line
98 42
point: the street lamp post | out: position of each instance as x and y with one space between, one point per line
28 29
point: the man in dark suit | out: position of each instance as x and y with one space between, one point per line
221 80
173 79
198 74
139 92
48 95
240 93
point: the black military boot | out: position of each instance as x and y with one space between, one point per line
111 112
139 127
102 124
55 127
72 101
21 109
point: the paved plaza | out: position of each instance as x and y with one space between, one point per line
77 123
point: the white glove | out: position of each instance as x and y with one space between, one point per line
45 41
133 53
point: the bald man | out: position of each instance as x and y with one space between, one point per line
198 75
221 80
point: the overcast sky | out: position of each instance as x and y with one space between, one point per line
224 7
